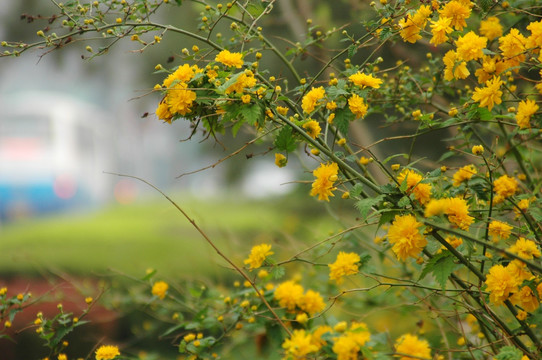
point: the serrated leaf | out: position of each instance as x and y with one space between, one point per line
536 213
285 140
365 205
441 266
509 353
403 202
277 272
352 50
222 88
356 190
342 120
252 114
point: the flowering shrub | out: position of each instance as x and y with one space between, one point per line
460 237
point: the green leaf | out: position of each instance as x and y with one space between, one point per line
352 50
356 190
441 266
342 120
222 88
536 213
277 272
252 114
365 205
509 353
285 140
403 202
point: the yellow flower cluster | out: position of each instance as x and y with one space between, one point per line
345 264
312 98
292 296
404 234
257 256
160 289
323 185
421 191
107 352
411 345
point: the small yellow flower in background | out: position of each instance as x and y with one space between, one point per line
345 195
364 161
245 99
490 95
491 28
464 174
416 113
313 128
230 59
330 118
331 105
312 98
282 110
315 152
522 315
453 112
107 352
357 106
62 357
341 326
526 109
364 80
299 345
3 291
525 249
89 300
410 345
345 264
322 186
500 284
341 142
257 256
395 167
7 324
505 186
461 341
262 274
302 318
311 302
189 337
20 297
405 236
159 289
499 230
477 149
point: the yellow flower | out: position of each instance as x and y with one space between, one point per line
311 302
457 211
364 80
357 106
331 105
346 264
313 128
299 345
499 230
179 99
159 289
525 249
183 74
491 28
257 256
490 95
526 299
435 207
464 174
454 68
413 24
364 161
500 284
288 294
405 236
107 352
470 46
245 99
477 149
62 357
519 271
505 186
316 337
230 59
282 110
512 46
322 186
422 192
526 109
458 11
535 39
410 345
440 30
311 99
162 111
245 80
348 345
280 160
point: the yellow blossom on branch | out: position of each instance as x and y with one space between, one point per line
464 174
311 99
458 12
313 128
526 109
364 80
525 298
500 284
357 106
440 30
345 264
499 230
454 67
405 236
299 345
490 95
410 345
289 294
230 59
160 289
525 249
505 186
491 28
107 352
470 46
411 25
257 256
179 99
322 186
311 302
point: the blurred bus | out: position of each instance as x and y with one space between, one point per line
53 151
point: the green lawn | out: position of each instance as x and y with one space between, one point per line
153 234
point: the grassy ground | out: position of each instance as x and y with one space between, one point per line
153 234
